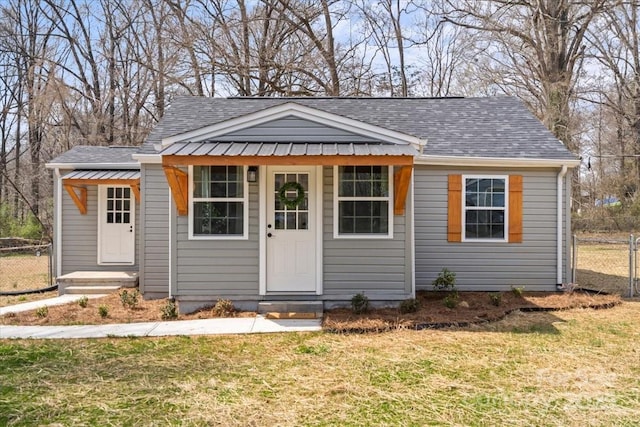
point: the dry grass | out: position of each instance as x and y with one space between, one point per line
19 299
23 272
603 267
570 368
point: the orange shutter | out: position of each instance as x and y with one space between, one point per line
515 209
454 233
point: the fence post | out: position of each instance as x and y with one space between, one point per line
631 266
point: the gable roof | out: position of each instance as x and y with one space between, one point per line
286 110
492 127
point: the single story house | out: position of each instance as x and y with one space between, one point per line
318 199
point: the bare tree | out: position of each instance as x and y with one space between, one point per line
542 42
614 38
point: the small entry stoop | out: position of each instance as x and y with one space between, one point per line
291 309
96 282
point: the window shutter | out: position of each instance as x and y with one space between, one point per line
454 233
515 209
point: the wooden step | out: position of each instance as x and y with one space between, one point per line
291 309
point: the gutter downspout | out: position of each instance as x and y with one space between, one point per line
559 222
170 245
58 220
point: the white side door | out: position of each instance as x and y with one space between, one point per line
291 231
116 225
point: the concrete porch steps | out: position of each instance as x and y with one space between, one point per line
90 290
96 282
291 309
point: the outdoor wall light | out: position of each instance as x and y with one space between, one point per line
252 174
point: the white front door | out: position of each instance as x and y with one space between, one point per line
291 229
116 221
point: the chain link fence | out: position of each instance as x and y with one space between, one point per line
605 264
24 266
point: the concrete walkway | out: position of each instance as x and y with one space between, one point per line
255 325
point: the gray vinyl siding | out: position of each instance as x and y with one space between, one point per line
380 268
217 268
482 265
154 257
80 236
291 129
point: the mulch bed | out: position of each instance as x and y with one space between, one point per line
473 308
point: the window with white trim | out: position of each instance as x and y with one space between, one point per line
363 203
485 207
219 202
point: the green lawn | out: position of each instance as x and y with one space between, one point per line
571 368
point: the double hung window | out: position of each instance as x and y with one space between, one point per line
363 203
219 202
485 208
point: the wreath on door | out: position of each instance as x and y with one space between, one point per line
290 186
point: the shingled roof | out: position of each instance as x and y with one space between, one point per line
499 127
99 156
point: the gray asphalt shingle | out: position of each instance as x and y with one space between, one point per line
98 155
472 127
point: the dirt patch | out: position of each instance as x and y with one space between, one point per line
74 314
20 299
472 308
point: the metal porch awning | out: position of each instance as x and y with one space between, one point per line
212 153
75 183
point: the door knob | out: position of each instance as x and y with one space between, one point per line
269 235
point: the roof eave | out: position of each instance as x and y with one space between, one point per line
92 165
148 158
494 161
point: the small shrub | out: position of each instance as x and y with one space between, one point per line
451 300
42 312
410 305
169 311
223 308
517 290
22 298
129 299
83 301
446 281
360 303
495 298
103 310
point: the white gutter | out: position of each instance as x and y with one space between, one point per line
58 225
148 158
559 221
500 162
